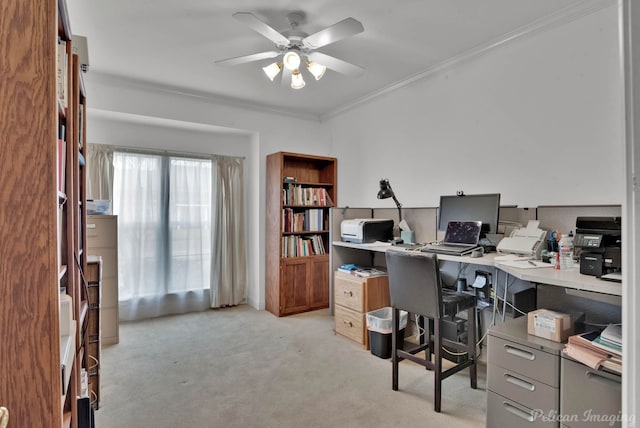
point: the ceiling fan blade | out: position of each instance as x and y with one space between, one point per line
248 58
259 26
336 64
343 29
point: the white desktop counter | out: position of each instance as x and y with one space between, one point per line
571 279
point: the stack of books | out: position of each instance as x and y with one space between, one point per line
598 350
360 270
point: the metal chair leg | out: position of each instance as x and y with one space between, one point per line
471 346
395 328
437 371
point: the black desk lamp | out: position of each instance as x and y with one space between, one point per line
387 192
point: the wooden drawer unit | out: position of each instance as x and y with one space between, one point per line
523 377
354 296
351 324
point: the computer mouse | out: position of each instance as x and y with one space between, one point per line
477 253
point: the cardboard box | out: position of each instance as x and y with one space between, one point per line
550 325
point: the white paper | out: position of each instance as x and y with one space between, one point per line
480 282
404 226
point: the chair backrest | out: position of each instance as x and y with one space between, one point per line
414 282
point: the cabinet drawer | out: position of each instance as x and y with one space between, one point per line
102 231
349 292
532 363
529 392
350 323
502 412
589 398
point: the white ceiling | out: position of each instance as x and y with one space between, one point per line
176 43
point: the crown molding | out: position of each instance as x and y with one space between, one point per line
118 116
547 23
131 82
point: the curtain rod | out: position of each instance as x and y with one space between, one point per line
167 152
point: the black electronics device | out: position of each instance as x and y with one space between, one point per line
598 242
461 207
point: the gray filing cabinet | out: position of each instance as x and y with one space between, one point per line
523 377
102 240
589 398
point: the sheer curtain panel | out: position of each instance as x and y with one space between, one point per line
164 228
229 258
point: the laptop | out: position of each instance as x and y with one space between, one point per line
460 239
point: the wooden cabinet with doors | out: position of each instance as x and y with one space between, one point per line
301 189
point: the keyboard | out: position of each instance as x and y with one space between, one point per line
456 250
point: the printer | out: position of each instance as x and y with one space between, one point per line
363 230
598 241
524 241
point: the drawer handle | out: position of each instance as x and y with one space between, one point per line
595 377
519 382
347 322
348 293
520 353
519 413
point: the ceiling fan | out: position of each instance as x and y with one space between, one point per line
298 48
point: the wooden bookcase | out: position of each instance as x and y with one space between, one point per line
301 189
41 216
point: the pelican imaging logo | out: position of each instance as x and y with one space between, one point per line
588 416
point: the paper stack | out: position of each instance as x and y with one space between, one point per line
598 349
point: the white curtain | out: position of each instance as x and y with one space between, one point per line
99 171
229 259
164 228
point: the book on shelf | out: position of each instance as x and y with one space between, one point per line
309 220
61 164
80 117
302 246
296 194
61 72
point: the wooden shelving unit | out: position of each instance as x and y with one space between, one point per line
41 215
301 189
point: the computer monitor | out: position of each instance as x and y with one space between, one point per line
484 208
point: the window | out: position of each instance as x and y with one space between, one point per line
163 205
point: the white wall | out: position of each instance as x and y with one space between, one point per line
539 120
137 114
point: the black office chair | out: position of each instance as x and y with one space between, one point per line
415 286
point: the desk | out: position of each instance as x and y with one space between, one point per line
572 279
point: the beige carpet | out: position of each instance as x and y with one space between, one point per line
239 367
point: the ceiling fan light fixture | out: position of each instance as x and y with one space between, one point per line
272 70
291 60
316 69
297 82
